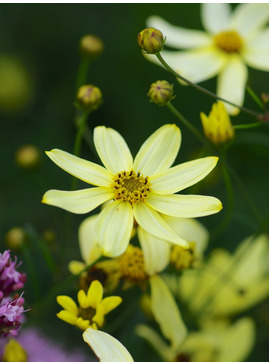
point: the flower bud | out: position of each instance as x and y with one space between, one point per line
91 46
161 92
89 97
217 125
15 238
151 40
27 156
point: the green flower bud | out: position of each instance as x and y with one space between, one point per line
15 238
27 156
161 92
91 46
89 97
151 40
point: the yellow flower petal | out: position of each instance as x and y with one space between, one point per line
78 202
111 302
112 149
88 242
166 312
82 299
75 267
184 205
86 171
67 316
182 176
82 324
106 347
153 223
114 227
156 252
68 304
95 294
159 151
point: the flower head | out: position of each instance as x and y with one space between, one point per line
89 97
91 46
11 310
217 125
231 42
92 307
141 188
161 92
151 40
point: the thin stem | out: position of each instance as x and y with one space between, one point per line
248 126
82 72
81 127
255 97
209 93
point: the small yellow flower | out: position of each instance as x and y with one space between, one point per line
14 352
92 307
217 125
141 188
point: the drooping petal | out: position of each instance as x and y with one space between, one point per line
155 340
111 302
112 149
68 304
78 202
156 252
237 341
166 312
67 316
248 18
179 37
231 83
191 230
159 151
86 171
106 347
154 224
88 242
215 16
182 176
184 205
114 228
95 294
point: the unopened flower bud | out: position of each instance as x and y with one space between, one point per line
265 98
27 156
217 125
89 97
15 238
91 46
151 40
161 92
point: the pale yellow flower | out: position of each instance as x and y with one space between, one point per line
217 125
91 310
140 189
231 42
106 347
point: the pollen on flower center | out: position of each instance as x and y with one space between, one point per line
87 313
132 265
130 186
229 41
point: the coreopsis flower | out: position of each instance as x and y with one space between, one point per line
106 347
231 42
141 188
92 307
217 125
228 283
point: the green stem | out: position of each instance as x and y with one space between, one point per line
32 273
248 126
209 93
82 72
255 97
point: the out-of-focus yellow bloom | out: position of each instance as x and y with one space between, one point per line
14 352
89 97
92 307
27 156
227 283
91 46
143 188
217 125
151 40
106 347
160 92
15 238
219 342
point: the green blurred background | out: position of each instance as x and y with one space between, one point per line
39 53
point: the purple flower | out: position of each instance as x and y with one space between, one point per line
10 279
11 310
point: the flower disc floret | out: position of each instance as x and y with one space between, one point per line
229 42
132 265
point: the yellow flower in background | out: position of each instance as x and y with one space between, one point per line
217 125
14 352
228 283
141 188
231 42
106 347
92 307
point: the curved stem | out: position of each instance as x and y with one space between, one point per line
255 97
202 89
247 126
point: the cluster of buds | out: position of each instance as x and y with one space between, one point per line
11 303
